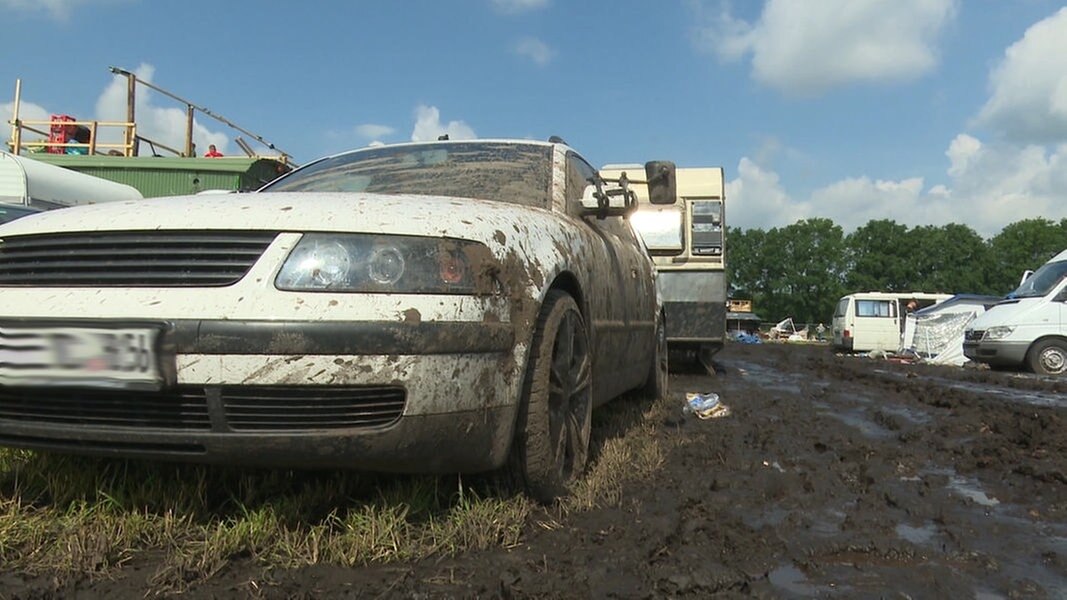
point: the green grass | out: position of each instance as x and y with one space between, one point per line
74 516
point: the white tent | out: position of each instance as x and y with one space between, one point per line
788 330
935 333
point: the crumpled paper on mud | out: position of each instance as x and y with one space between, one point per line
706 406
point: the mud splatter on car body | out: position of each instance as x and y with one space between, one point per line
368 312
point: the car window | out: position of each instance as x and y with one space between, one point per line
505 171
579 174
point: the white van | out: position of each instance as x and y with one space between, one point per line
867 321
1029 327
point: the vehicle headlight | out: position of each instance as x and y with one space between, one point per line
389 264
998 333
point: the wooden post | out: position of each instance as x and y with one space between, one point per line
188 130
16 127
131 117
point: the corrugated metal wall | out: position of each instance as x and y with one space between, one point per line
159 176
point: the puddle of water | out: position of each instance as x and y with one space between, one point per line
866 427
768 378
791 579
1005 532
917 535
915 417
1012 395
969 488
829 525
771 517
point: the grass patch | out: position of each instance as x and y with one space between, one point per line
78 517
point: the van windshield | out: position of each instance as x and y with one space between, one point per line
1042 281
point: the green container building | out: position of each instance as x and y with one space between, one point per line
156 176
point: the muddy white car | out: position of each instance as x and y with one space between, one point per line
430 307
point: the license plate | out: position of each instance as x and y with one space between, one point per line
80 356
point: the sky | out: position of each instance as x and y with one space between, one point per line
925 112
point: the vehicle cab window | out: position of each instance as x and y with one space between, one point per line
579 175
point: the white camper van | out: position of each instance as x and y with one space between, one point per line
867 321
1029 327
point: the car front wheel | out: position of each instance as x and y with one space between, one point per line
552 433
1048 357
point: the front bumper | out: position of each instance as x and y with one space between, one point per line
387 396
996 353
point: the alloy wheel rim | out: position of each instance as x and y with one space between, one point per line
570 378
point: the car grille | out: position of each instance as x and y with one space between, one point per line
303 408
973 335
184 409
246 408
131 259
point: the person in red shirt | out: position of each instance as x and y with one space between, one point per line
212 152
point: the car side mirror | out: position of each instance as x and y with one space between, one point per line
661 176
603 202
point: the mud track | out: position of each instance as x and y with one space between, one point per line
833 477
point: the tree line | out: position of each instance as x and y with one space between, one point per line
802 269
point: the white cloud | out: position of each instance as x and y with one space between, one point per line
518 6
163 125
961 153
535 50
428 126
757 199
57 9
809 47
990 186
1028 99
28 111
372 131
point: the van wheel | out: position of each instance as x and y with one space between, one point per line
657 385
552 433
1048 357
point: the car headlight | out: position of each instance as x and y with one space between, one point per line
998 333
387 263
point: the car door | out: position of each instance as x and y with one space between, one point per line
610 292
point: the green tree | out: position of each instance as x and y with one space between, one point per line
880 258
744 254
1023 245
950 258
803 266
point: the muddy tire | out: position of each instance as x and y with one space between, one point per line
551 443
1048 357
657 384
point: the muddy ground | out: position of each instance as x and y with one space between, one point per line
836 477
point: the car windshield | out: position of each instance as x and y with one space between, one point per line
1042 281
507 172
10 213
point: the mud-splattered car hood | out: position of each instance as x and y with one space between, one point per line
480 220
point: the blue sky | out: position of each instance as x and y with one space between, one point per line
921 111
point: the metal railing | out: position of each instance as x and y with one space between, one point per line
93 146
130 145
